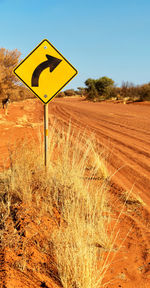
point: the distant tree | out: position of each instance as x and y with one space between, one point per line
92 92
81 91
125 89
99 88
69 92
144 92
8 60
104 86
129 90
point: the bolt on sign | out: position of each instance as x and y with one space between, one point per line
45 71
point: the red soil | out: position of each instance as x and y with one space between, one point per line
122 129
124 132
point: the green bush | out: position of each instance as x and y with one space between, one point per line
99 89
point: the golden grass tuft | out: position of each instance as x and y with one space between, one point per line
132 199
67 194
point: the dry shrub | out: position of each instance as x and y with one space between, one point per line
66 188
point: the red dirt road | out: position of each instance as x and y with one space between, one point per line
124 130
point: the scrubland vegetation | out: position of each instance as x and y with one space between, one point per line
104 88
78 239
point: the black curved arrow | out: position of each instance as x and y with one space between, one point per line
51 62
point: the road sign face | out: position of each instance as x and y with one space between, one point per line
45 71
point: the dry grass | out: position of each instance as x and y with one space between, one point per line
81 242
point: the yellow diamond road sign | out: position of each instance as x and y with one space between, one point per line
45 71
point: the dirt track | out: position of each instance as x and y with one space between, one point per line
124 130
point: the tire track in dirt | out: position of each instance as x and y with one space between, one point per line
106 135
63 112
121 122
125 148
116 162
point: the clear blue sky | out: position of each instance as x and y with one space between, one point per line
99 37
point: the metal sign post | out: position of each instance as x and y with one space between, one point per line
45 134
